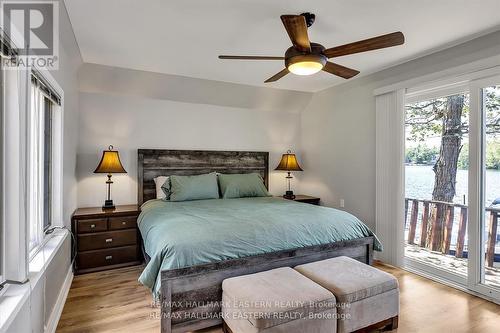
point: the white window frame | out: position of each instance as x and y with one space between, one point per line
424 93
57 163
2 248
15 233
477 145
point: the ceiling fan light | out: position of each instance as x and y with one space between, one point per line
305 67
305 64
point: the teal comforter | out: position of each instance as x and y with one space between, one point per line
180 234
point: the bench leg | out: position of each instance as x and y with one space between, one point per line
394 324
387 325
225 328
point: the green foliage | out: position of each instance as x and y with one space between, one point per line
492 156
492 103
421 154
425 119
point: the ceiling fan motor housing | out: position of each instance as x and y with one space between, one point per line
292 55
310 17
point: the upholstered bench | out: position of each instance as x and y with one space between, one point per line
277 301
366 297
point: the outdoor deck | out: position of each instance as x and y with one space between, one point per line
447 240
449 263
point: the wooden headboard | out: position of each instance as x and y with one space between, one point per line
159 162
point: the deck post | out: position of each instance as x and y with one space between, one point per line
450 216
437 227
462 229
425 221
413 221
406 210
492 237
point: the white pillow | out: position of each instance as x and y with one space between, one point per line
159 181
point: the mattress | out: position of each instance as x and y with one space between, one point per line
188 233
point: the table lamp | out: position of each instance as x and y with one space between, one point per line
289 163
110 163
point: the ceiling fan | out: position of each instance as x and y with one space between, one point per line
306 58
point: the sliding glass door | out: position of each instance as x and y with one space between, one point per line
436 181
490 97
452 184
484 272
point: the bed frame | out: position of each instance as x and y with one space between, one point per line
191 296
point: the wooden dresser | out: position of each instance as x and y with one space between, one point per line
106 239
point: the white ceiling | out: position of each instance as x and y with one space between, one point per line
184 37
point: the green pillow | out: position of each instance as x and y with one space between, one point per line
184 188
242 185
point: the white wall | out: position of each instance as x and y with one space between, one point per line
66 76
133 109
338 128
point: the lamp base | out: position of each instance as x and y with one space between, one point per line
289 195
108 204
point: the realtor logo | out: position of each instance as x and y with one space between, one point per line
33 28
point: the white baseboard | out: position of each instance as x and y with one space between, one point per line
59 306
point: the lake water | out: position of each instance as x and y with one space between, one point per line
420 183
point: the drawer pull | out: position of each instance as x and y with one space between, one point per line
124 223
109 240
92 226
109 257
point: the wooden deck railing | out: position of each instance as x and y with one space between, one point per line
441 216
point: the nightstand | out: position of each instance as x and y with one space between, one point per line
307 199
106 239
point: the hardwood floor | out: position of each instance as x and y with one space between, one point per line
113 301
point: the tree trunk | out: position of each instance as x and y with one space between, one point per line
445 169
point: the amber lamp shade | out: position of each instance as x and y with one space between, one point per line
110 163
289 163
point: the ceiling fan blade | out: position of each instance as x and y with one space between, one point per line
250 57
339 70
375 43
277 76
296 28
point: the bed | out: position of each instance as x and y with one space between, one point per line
220 238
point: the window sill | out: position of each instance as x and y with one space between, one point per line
14 295
38 264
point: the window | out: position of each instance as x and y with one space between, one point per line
436 185
30 161
40 148
31 166
452 178
2 280
47 165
